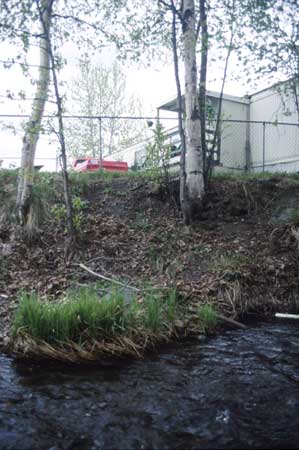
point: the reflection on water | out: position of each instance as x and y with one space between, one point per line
239 390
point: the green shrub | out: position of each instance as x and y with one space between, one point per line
59 212
158 153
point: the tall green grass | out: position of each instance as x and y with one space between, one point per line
159 311
208 317
83 316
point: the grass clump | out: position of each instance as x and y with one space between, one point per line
208 317
159 312
228 262
82 317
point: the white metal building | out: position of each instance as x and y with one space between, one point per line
274 129
258 132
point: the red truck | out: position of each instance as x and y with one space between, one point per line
88 164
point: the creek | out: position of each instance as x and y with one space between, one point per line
237 390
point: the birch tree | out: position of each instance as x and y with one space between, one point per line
174 44
33 126
66 188
67 22
192 187
189 30
194 156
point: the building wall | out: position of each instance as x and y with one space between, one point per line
127 155
276 147
273 105
233 135
272 147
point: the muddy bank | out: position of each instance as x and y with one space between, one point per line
241 255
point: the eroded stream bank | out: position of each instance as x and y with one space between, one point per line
237 390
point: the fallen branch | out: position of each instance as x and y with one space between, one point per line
231 321
107 258
110 280
119 283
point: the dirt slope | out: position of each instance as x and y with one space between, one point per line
241 254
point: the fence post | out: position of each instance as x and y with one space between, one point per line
247 142
100 141
264 145
247 149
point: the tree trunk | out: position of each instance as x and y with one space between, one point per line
67 195
180 116
26 174
194 157
203 82
66 189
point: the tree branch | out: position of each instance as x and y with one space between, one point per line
84 22
171 7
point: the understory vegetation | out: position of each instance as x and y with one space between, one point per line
48 199
83 320
240 258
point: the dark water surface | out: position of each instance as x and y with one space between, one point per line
238 390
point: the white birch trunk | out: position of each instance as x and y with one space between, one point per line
194 157
32 132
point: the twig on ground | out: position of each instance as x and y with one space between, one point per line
107 258
138 187
119 283
110 280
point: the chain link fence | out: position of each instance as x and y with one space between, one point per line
102 137
258 146
274 147
241 145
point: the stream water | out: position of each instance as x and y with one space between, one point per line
237 390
